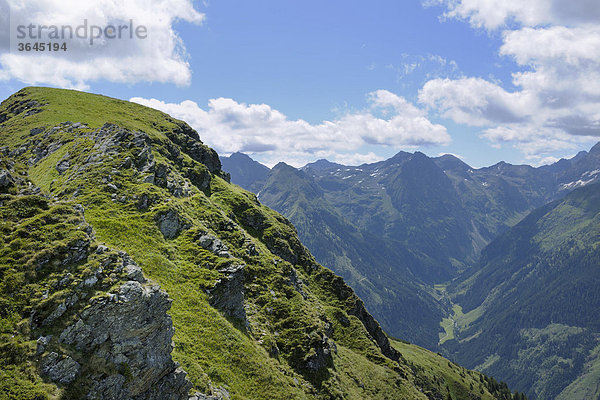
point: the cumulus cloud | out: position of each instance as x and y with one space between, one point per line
555 100
229 126
493 14
476 102
157 54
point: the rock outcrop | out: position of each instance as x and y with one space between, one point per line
170 223
102 329
214 245
228 293
130 329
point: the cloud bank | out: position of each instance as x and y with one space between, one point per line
556 100
229 126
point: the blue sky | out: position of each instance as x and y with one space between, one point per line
351 81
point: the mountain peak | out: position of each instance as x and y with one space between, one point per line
451 162
282 165
240 156
401 155
246 172
322 165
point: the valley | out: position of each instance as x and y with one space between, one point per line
412 235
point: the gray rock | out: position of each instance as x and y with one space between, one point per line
160 175
297 283
71 300
169 223
144 160
221 393
322 357
132 328
79 209
188 139
91 281
59 369
217 394
77 251
42 342
143 202
214 245
228 293
6 180
134 273
251 249
62 166
109 388
174 386
57 313
199 177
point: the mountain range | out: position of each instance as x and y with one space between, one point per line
411 235
131 268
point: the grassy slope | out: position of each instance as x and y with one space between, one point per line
587 385
214 349
447 376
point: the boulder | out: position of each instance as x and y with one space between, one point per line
62 166
6 180
228 294
214 245
169 223
60 369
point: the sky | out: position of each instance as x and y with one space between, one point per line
350 81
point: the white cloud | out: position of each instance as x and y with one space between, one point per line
422 66
476 102
534 141
493 14
159 57
573 46
538 161
562 65
229 126
554 104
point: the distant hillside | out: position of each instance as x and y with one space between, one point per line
338 243
396 228
530 307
